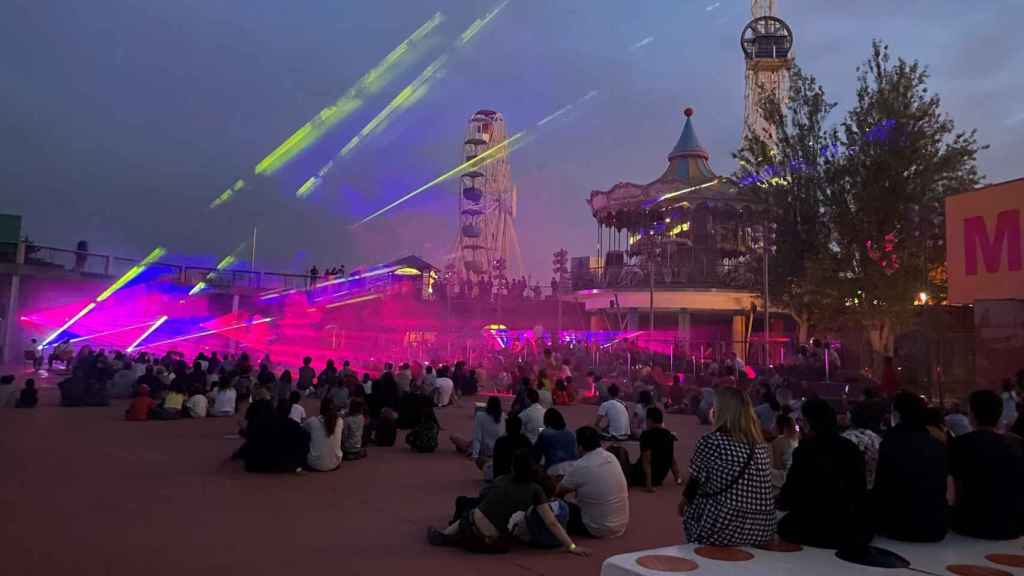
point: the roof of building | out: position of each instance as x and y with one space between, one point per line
688 178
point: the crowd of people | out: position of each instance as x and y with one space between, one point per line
775 464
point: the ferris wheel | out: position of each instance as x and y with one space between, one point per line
487 204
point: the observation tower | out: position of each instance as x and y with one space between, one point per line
767 44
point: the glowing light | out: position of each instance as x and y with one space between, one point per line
686 190
109 332
398 102
148 331
679 228
309 185
642 43
227 194
407 272
75 318
922 298
353 301
275 293
495 327
369 84
224 263
155 255
208 332
480 160
479 23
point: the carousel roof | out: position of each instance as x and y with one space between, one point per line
688 180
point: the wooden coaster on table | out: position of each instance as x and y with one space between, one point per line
1015 560
974 570
724 553
780 546
665 563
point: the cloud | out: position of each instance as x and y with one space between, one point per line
713 6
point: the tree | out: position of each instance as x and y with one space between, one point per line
790 177
886 194
858 209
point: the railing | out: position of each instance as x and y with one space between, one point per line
703 274
92 264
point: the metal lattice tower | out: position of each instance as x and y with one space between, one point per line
487 205
767 44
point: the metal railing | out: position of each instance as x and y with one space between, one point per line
106 265
704 273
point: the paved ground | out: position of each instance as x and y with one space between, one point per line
83 492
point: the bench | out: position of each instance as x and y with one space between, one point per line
1000 558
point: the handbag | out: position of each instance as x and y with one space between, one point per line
692 490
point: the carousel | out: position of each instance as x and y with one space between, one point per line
679 256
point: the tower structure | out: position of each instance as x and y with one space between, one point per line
767 44
487 244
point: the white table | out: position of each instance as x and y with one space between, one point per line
819 562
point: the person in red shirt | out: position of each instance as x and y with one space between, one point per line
562 395
141 405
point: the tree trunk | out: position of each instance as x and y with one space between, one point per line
882 337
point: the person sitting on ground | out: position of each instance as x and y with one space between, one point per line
428 381
404 379
283 386
307 375
657 454
782 449
533 415
988 472
909 494
555 448
485 527
224 399
861 433
767 411
957 422
935 423
325 437
519 401
613 417
296 411
140 406
385 394
487 427
290 440
327 378
546 399
543 527
1010 400
506 446
259 451
352 446
339 394
562 396
423 438
197 404
601 509
123 383
171 406
638 414
677 402
825 491
728 496
29 396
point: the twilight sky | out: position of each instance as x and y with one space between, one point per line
123 119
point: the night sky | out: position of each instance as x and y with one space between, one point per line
123 120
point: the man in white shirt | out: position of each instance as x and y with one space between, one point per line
601 509
533 416
613 417
443 387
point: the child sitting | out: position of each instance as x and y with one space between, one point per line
139 409
296 412
352 434
29 396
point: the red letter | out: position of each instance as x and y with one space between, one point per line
976 237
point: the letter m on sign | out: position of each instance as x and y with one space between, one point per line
1006 237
